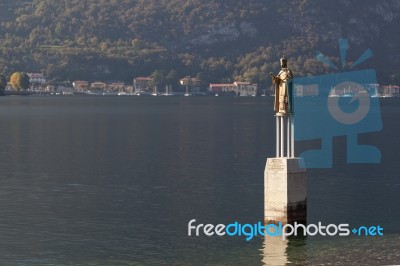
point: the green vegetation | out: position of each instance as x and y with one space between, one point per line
214 41
3 84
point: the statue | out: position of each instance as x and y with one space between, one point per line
283 89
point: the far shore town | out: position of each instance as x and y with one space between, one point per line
188 86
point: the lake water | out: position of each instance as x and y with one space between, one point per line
115 181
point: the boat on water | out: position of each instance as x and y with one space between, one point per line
155 92
109 93
347 95
88 92
263 94
187 87
123 93
168 91
247 95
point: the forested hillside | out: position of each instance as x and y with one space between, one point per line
217 41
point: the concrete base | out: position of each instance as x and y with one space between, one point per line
285 191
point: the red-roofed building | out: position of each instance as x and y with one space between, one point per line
99 85
117 86
80 85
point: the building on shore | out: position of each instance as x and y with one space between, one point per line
142 84
218 88
36 78
98 86
80 85
341 90
237 88
191 85
305 90
246 88
188 80
389 91
117 86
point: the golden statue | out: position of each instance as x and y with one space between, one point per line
283 89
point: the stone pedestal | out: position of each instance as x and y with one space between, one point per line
285 191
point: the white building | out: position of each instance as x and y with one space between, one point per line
222 87
237 88
245 88
36 78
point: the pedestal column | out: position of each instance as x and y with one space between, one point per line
285 188
285 178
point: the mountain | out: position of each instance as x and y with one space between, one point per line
217 41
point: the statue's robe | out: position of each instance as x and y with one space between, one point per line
283 91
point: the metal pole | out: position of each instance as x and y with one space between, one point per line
288 142
282 136
277 136
292 136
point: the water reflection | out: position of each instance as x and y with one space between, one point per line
274 251
278 251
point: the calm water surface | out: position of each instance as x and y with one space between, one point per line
115 180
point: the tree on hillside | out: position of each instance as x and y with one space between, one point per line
252 75
14 80
158 78
19 81
172 78
3 84
201 80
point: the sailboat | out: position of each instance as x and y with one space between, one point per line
263 93
155 93
168 91
187 90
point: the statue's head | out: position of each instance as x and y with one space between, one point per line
283 62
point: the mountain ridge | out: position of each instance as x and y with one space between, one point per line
219 41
